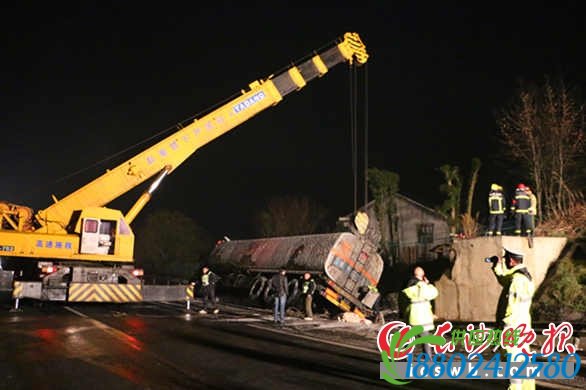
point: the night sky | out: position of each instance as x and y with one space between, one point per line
82 83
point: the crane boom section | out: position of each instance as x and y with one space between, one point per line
175 149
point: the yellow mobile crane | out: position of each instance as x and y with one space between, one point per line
78 250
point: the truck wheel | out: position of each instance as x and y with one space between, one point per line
240 281
292 291
229 280
257 287
269 294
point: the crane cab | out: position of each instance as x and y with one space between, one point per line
104 232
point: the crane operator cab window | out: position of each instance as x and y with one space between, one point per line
98 236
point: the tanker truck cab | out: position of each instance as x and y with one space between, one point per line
104 232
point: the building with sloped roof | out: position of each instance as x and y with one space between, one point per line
419 233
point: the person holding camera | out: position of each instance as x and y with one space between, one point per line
515 302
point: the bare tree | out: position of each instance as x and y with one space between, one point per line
476 164
452 188
469 222
543 130
289 215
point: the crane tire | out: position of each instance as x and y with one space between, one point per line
257 287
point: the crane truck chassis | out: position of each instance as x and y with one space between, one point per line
79 250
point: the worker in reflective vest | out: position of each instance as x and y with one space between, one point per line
208 288
420 293
307 289
521 206
518 291
496 209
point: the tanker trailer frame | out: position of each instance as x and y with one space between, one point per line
345 265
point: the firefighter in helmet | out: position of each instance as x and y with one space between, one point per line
496 209
521 207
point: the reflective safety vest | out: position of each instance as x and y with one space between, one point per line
496 202
205 279
519 295
308 286
522 202
419 310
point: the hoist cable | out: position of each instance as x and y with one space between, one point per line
365 134
353 134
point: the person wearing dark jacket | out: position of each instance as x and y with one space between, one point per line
280 285
208 288
308 288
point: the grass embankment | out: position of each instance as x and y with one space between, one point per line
562 295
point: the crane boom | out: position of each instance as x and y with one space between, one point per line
175 149
79 250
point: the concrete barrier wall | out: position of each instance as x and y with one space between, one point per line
470 292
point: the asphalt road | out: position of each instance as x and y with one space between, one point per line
158 346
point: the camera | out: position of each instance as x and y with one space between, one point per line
492 259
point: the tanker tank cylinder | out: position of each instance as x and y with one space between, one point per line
307 252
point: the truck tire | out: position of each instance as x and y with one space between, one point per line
257 287
269 294
229 280
293 291
240 281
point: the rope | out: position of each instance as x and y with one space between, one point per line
201 113
169 129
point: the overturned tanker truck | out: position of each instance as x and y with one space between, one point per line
344 265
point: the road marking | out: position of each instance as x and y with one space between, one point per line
268 317
133 343
316 339
122 336
239 320
76 312
125 337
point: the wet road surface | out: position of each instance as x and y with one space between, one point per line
158 346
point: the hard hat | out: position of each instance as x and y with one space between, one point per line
514 254
521 186
495 187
